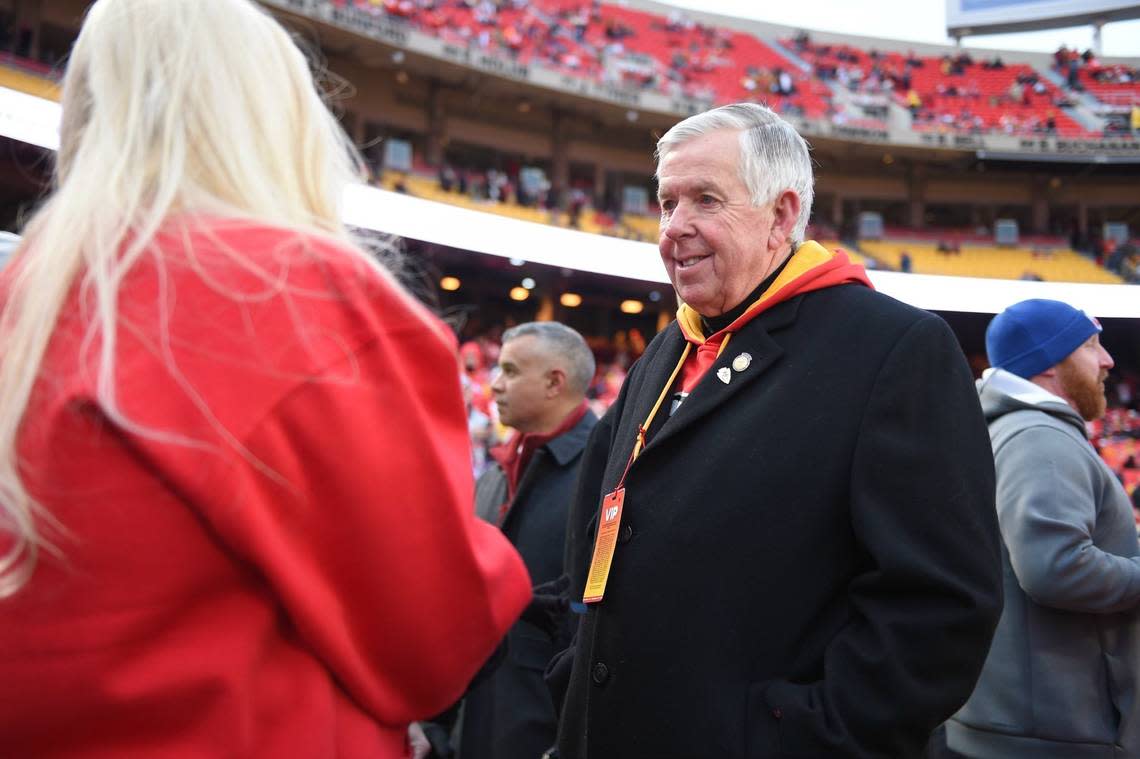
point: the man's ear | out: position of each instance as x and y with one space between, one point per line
555 382
785 213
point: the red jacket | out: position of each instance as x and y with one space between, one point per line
272 551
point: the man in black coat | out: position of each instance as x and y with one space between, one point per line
798 553
543 373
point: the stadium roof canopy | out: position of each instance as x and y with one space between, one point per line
966 18
36 121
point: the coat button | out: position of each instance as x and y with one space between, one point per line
600 673
778 713
626 534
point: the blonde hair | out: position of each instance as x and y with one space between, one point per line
169 107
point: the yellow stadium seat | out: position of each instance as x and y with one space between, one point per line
1058 265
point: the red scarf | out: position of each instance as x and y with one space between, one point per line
514 455
812 267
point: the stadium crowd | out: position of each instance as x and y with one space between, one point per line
674 54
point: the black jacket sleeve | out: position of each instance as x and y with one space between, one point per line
924 610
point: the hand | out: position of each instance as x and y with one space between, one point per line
418 742
549 605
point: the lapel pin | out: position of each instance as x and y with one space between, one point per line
741 362
723 374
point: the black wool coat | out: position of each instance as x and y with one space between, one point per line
509 713
809 562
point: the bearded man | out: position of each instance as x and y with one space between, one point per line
1061 676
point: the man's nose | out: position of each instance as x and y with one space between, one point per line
1106 361
678 225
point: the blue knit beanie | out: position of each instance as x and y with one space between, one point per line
1029 337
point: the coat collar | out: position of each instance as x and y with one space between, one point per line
564 448
755 338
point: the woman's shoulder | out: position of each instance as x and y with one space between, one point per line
310 274
244 249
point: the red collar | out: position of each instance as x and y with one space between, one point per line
514 455
812 267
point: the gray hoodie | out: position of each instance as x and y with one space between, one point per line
1060 681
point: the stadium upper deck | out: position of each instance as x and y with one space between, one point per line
672 64
579 89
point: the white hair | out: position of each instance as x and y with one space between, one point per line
187 107
773 156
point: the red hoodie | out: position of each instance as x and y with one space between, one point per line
301 573
811 267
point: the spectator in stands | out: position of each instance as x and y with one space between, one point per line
1061 58
784 83
577 205
913 102
878 542
1073 77
1130 266
1060 679
239 521
447 178
1016 92
544 371
905 262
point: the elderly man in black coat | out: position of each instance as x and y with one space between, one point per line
784 536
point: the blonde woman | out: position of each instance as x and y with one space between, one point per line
235 491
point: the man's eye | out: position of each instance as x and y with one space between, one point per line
707 200
668 205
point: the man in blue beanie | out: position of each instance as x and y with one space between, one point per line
1061 677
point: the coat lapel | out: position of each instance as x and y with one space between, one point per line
657 371
712 392
536 464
